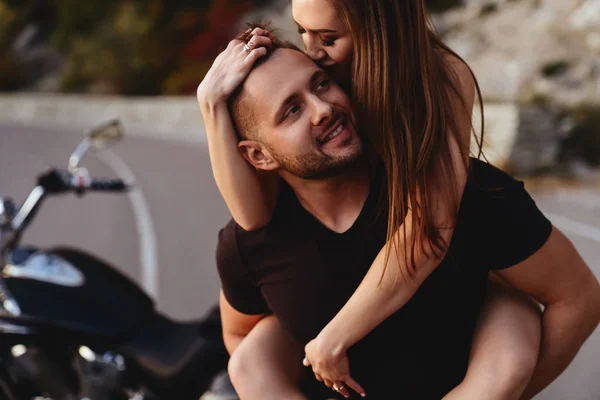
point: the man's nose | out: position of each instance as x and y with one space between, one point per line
322 111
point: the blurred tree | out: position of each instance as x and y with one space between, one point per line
76 18
12 21
219 23
131 47
137 47
121 55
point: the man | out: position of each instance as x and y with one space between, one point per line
329 225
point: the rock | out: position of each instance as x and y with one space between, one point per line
540 130
512 45
583 142
554 140
501 124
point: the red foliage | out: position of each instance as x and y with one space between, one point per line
221 21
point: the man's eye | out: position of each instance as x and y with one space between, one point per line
323 84
301 30
293 111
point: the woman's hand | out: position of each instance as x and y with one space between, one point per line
232 66
331 366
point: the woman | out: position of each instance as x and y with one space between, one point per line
414 97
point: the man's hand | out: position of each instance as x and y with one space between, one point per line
232 66
331 366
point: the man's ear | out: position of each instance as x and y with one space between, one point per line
256 154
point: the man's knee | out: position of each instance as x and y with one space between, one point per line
510 372
239 366
253 377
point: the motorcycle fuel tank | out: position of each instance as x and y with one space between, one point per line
69 289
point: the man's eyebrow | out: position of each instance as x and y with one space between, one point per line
316 30
316 76
319 73
288 100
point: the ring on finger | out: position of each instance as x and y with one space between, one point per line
248 48
339 388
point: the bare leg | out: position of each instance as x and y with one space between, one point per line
505 347
267 364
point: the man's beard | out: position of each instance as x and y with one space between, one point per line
317 166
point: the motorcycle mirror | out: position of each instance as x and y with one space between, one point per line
105 134
98 137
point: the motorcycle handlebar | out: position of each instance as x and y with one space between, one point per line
57 181
108 185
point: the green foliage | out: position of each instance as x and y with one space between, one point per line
12 76
131 47
75 18
122 55
12 20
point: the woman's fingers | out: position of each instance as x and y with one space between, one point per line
262 32
232 65
342 389
255 48
352 384
254 55
258 41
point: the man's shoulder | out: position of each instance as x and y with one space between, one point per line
235 238
286 231
236 247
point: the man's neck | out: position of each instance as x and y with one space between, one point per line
336 202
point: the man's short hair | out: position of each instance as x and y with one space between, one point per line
243 119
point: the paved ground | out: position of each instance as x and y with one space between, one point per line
177 185
178 189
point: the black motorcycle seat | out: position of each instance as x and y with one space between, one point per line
172 354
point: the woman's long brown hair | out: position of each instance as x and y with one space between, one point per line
405 97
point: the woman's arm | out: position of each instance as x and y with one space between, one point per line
384 290
249 195
373 302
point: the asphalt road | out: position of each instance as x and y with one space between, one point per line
177 190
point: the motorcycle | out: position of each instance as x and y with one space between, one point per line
73 327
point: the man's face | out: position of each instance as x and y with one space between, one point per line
305 120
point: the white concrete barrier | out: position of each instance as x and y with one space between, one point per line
179 119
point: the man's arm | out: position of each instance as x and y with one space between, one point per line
240 300
561 281
236 325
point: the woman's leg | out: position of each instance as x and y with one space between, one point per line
505 346
267 364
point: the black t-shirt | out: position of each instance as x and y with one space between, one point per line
304 273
